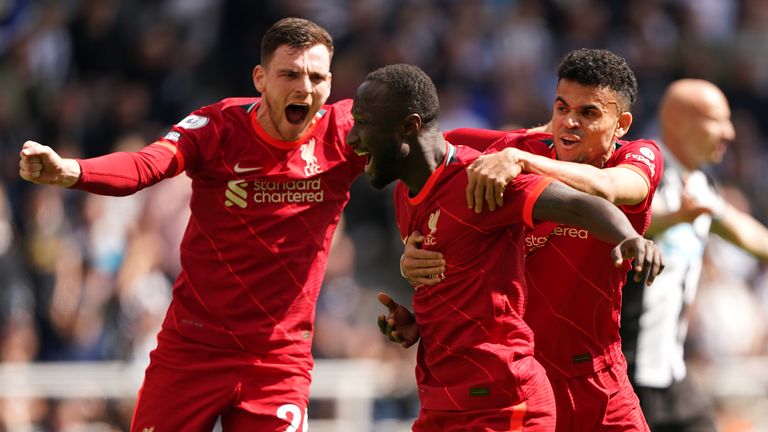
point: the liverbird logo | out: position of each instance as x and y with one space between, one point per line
432 224
431 238
308 155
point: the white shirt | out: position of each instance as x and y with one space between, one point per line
663 322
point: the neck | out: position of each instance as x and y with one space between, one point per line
426 155
265 121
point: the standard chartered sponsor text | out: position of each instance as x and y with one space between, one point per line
291 191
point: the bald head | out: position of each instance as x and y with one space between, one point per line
695 122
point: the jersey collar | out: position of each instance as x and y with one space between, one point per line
450 153
287 145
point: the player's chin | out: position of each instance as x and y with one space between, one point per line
378 180
291 131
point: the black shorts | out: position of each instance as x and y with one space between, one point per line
681 407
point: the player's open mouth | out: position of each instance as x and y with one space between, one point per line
296 114
367 154
569 142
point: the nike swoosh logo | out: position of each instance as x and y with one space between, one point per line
239 169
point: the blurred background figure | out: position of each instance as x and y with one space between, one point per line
89 76
696 130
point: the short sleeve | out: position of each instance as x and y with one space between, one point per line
520 197
645 158
195 137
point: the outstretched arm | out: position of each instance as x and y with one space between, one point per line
116 174
562 204
664 218
742 230
489 175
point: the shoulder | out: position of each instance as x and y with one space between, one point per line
648 148
343 106
461 135
639 152
463 156
216 113
341 110
539 143
337 114
245 103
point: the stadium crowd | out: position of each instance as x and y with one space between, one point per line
86 277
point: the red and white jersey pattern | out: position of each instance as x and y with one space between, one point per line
264 211
263 214
474 344
575 291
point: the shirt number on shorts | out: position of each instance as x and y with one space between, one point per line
295 417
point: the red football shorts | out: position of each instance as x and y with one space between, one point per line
536 414
187 386
603 401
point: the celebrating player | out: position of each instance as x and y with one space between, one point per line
475 367
574 292
270 177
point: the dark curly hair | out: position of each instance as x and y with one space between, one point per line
601 68
413 87
296 33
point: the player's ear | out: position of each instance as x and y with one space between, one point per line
412 124
258 78
625 121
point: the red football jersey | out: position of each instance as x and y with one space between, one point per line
475 349
263 214
574 289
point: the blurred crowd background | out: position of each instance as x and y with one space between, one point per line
84 277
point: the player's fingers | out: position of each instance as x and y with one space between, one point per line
412 260
471 185
30 168
646 264
617 256
425 281
643 259
382 322
479 195
426 271
500 194
414 253
490 194
396 336
644 256
656 266
31 148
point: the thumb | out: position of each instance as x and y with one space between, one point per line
387 301
416 237
617 256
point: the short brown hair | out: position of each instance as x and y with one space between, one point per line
600 68
296 33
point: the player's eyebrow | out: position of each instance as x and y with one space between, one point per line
587 106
